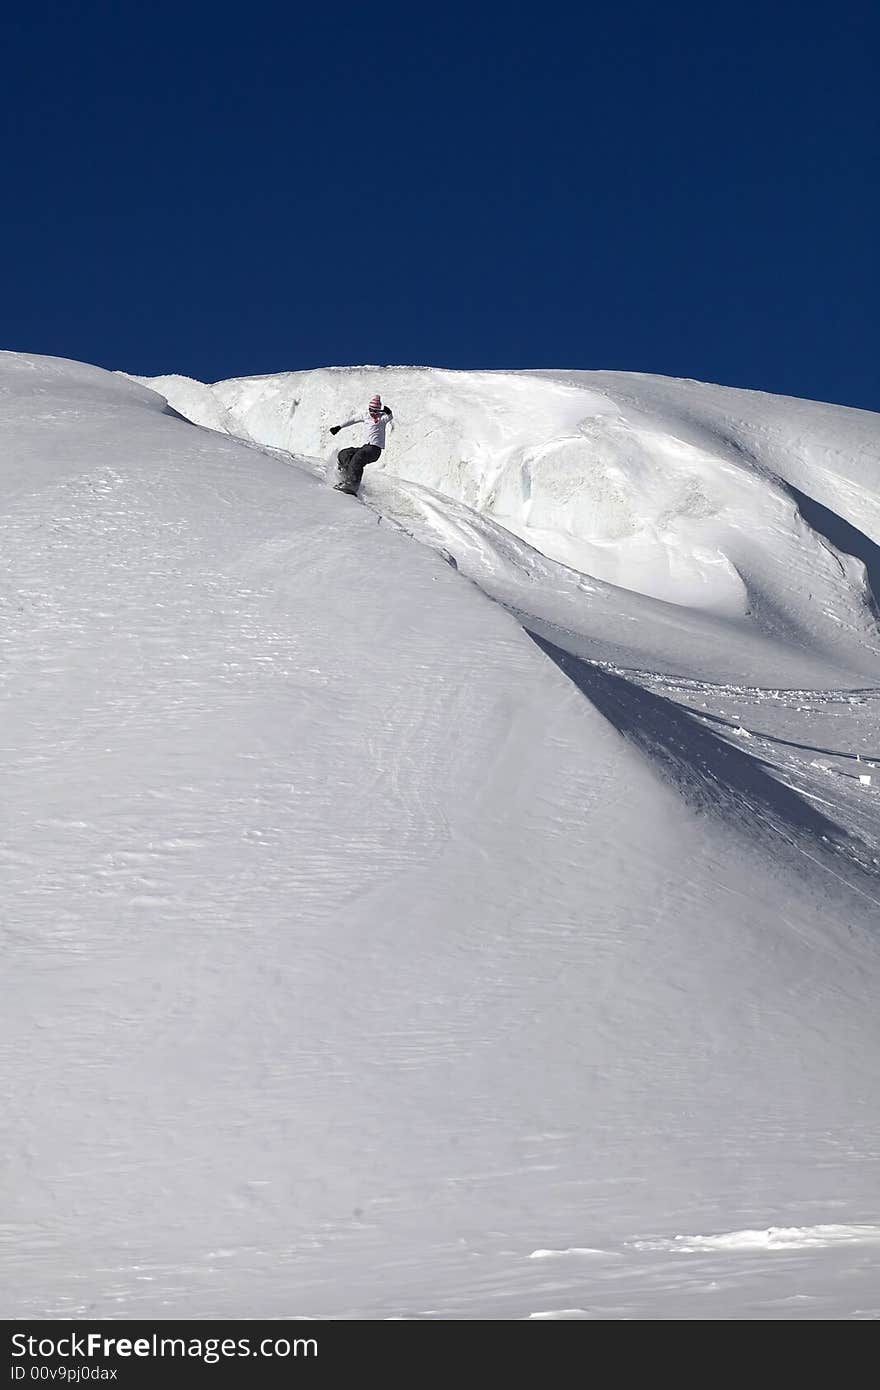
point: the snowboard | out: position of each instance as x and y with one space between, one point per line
340 487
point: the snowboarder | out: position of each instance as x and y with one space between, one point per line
352 462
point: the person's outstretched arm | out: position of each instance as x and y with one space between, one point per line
358 420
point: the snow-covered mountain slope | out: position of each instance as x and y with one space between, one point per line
701 496
387 937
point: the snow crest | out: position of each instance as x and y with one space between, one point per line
700 496
391 891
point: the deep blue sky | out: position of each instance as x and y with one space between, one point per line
688 189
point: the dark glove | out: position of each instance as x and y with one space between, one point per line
334 429
386 410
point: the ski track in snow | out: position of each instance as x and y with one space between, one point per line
378 951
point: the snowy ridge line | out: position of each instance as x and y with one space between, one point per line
366 946
772 1239
559 1315
759 509
448 525
837 695
716 776
571 1250
855 695
838 841
842 841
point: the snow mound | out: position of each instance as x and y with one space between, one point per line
700 496
561 1315
773 1238
384 899
562 1254
202 405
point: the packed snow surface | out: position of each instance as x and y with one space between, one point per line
438 908
684 492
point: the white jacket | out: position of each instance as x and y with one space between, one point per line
375 428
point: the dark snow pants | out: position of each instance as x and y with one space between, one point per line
352 463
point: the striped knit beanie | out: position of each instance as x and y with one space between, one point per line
376 407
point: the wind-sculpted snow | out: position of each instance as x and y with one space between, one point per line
700 496
400 921
792 1238
722 779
